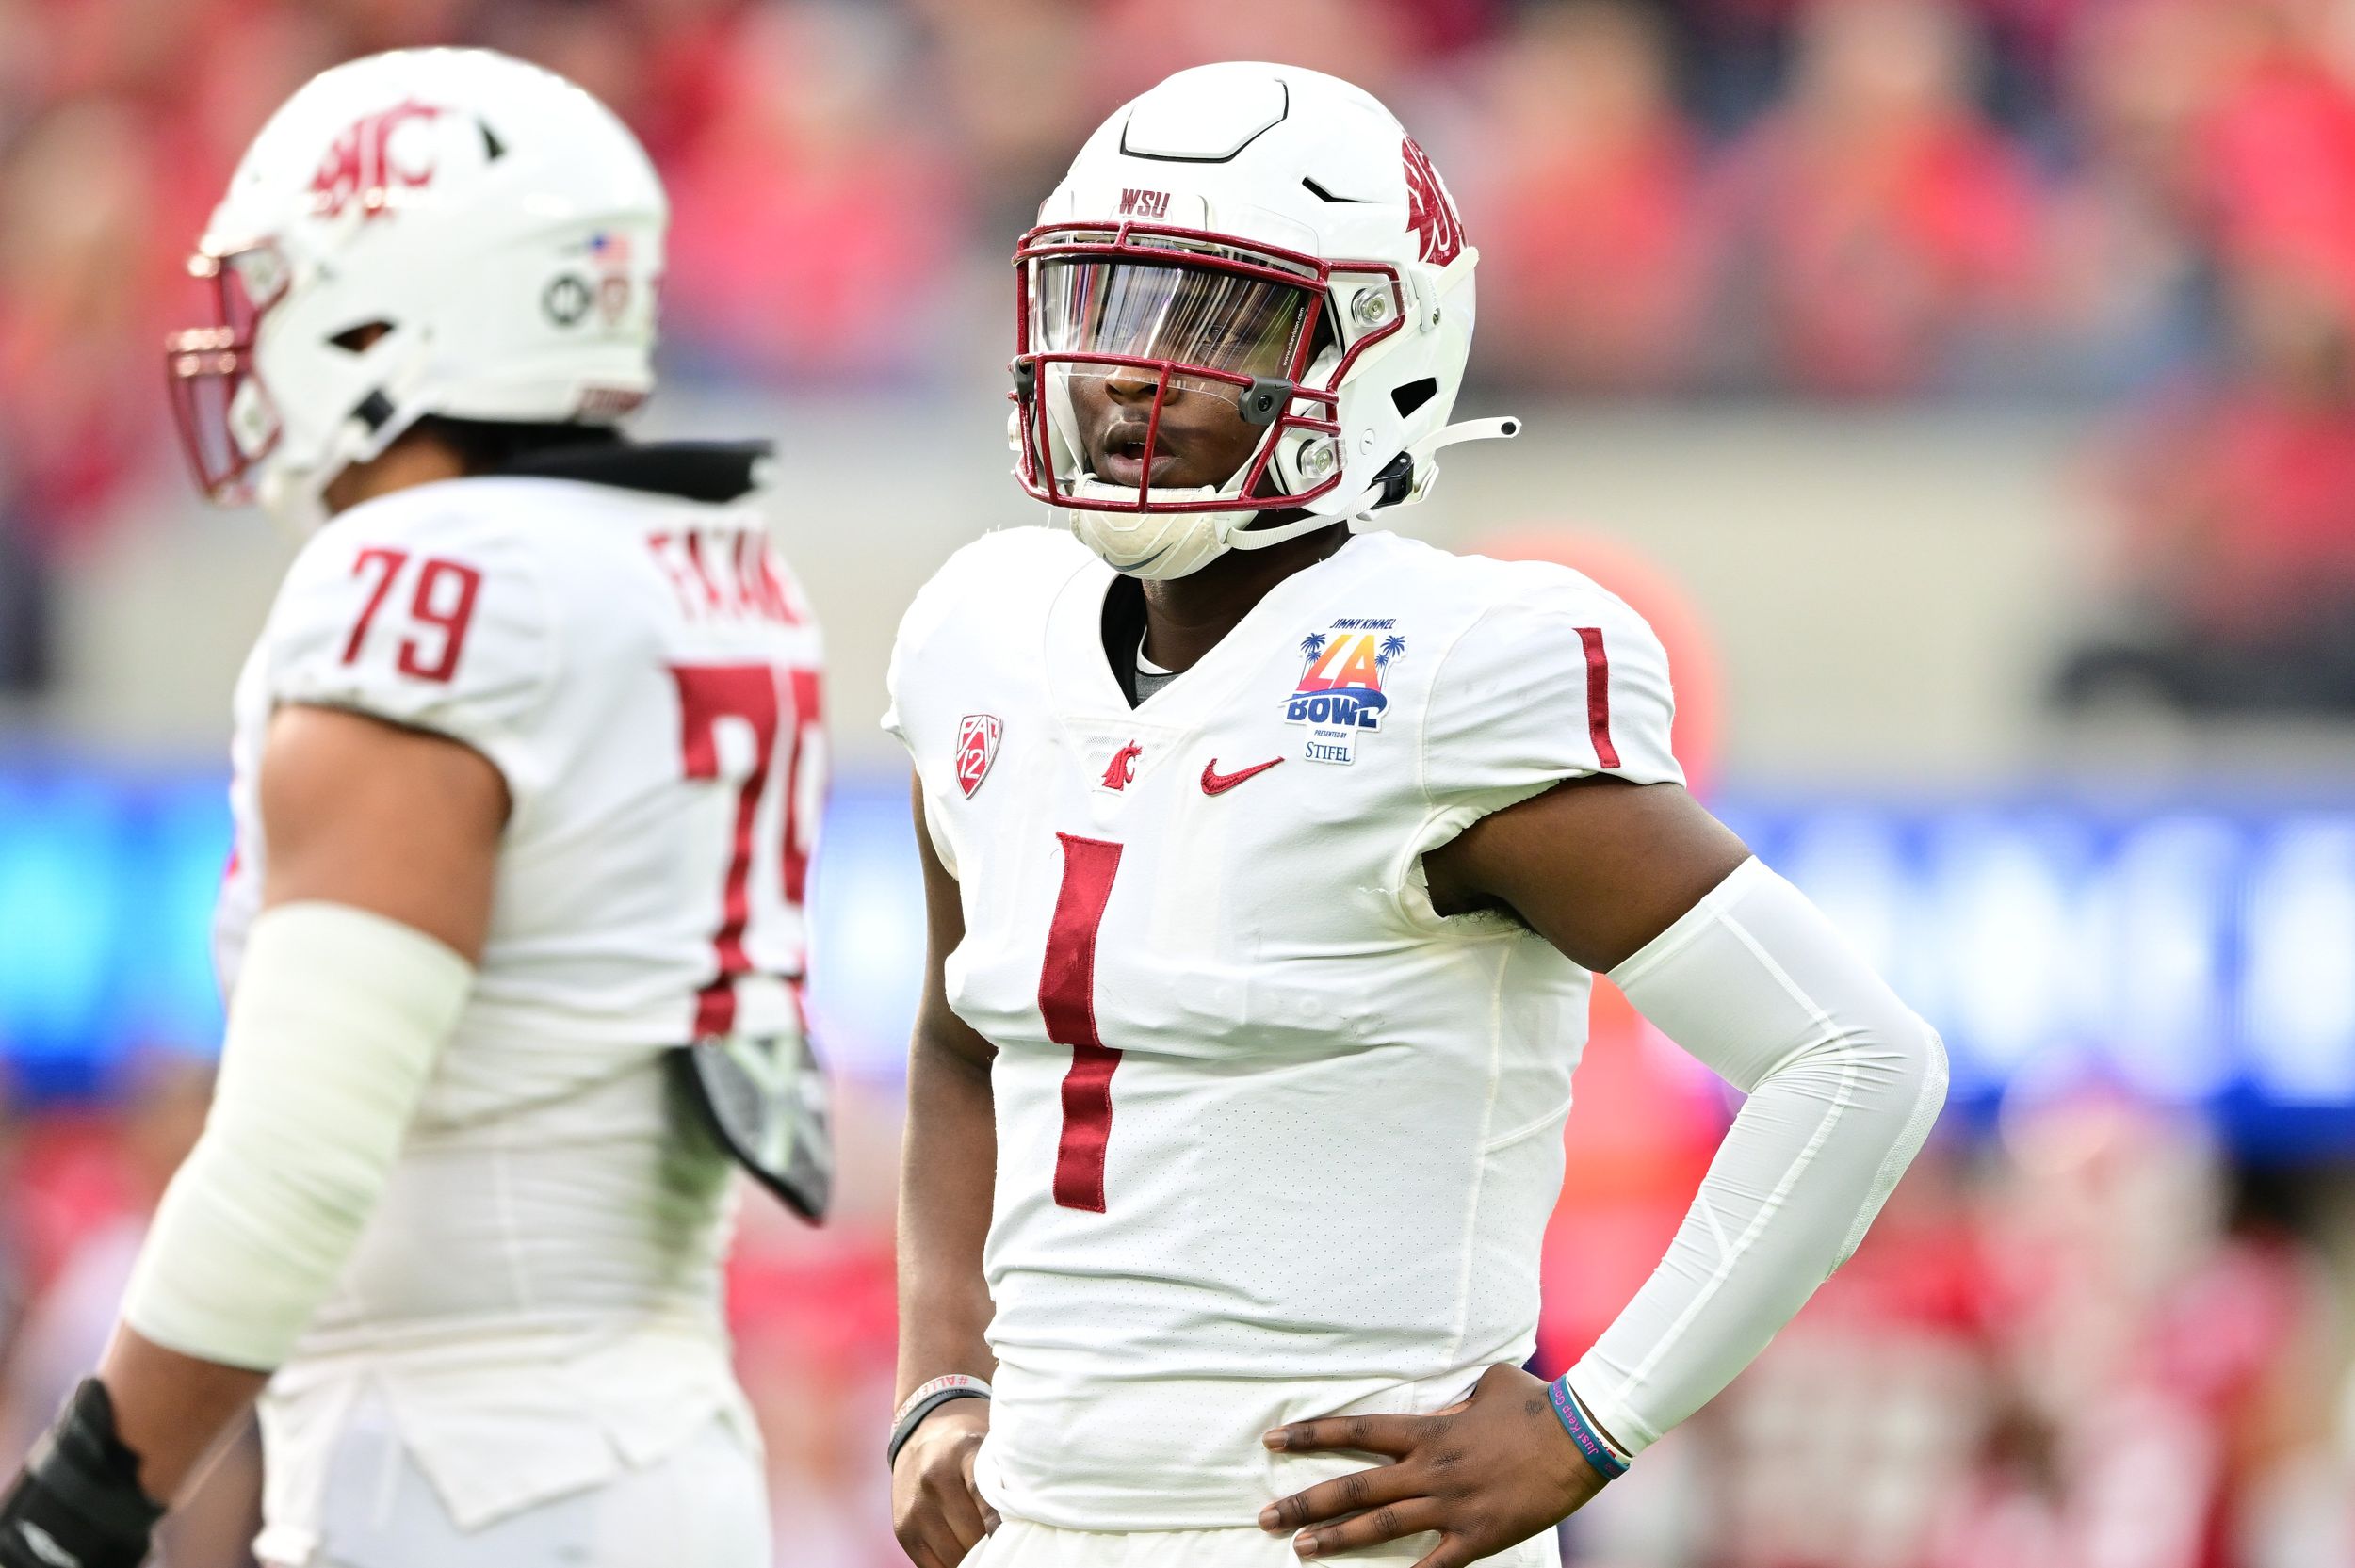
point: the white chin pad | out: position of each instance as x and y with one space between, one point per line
1152 545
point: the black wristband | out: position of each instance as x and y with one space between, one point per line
912 1414
78 1503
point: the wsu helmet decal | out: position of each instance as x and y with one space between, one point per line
360 164
1430 211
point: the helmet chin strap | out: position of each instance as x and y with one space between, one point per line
296 497
291 499
1259 538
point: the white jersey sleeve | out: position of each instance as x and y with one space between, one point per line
426 617
1557 679
913 646
1006 567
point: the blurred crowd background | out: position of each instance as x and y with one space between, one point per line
2147 203
1967 387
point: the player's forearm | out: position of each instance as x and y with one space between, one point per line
127 1443
1845 1081
173 1409
338 1018
947 1170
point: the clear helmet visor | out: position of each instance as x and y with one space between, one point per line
1189 317
1156 387
1163 344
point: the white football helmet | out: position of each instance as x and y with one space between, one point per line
426 232
1264 234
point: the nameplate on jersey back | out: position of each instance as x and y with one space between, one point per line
1339 695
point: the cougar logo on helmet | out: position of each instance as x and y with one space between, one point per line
359 163
1430 211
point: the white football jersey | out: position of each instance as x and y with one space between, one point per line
542 1277
1273 1139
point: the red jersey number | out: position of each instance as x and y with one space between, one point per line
1067 999
750 694
441 608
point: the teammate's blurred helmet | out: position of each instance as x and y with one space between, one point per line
1271 236
426 232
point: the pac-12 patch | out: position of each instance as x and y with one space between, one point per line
1339 695
977 748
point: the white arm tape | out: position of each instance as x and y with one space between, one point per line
1844 1083
338 1018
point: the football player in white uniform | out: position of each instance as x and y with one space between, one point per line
527 770
1268 863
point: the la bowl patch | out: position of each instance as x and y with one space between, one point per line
1339 695
977 748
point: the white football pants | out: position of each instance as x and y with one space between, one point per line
1016 1545
703 1507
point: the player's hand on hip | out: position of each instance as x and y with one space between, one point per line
1486 1474
936 1509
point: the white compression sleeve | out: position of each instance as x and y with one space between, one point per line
338 1018
1844 1083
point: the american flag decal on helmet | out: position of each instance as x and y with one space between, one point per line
1430 211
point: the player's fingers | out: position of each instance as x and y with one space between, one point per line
926 1533
1395 1436
961 1511
1390 1522
981 1504
926 1541
1352 1493
950 1550
920 1553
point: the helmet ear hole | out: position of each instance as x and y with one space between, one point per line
1413 395
358 340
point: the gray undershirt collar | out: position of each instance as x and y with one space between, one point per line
1151 677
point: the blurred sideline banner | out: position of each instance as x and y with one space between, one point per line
2196 950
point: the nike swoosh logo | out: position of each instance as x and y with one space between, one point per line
1216 782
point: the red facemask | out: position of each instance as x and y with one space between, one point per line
1194 312
227 422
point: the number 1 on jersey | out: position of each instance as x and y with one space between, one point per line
1067 999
